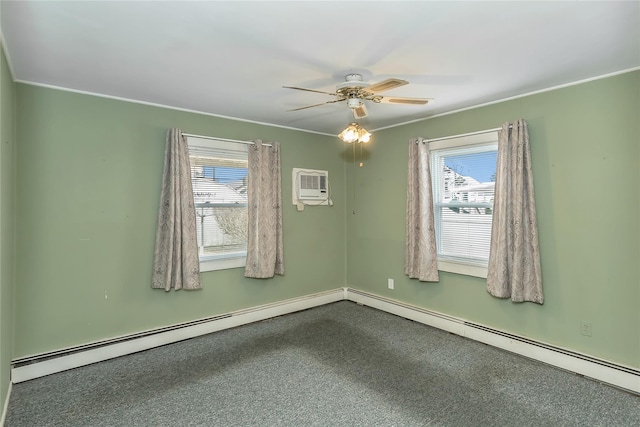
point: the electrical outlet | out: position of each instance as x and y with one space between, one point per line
585 328
390 283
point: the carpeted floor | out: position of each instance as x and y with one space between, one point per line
337 365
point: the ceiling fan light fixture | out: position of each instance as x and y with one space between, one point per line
354 133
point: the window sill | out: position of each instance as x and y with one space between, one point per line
460 268
223 262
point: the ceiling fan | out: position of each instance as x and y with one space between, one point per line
355 92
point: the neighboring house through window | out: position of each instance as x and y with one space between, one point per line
463 171
219 179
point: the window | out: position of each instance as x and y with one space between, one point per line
463 171
219 179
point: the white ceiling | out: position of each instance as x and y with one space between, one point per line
232 58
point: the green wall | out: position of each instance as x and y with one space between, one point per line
89 171
88 178
585 147
7 206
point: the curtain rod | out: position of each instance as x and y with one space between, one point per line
480 132
222 139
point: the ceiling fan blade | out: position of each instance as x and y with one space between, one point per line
386 85
360 112
399 100
309 90
317 105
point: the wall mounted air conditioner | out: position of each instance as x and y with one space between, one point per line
310 186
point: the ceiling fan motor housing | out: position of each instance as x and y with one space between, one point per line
352 90
353 81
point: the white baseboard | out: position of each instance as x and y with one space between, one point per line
38 366
601 370
5 407
589 366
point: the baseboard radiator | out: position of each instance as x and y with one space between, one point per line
31 367
27 368
600 370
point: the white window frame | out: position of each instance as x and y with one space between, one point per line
478 141
234 150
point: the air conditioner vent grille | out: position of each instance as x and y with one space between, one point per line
310 186
309 182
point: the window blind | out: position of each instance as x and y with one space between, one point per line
219 180
463 190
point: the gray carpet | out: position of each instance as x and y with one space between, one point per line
337 365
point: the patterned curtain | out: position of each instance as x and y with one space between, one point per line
514 260
264 243
421 256
175 258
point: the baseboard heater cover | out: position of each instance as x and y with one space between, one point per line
617 375
30 367
601 370
42 357
570 353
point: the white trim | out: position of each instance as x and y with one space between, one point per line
6 56
511 98
5 407
461 268
153 104
214 264
230 320
484 137
608 372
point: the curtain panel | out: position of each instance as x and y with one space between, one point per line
421 256
176 264
514 260
265 251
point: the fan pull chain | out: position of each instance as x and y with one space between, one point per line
354 178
